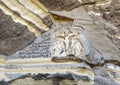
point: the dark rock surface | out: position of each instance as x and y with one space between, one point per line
55 78
13 36
59 5
40 47
4 83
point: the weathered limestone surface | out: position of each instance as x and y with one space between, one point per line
110 11
24 12
76 51
96 33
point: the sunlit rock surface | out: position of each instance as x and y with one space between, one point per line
25 13
59 42
109 10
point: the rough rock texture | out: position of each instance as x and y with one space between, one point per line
76 51
43 79
59 5
110 11
112 14
13 36
29 13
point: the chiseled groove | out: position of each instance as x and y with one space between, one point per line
25 13
34 61
17 18
34 8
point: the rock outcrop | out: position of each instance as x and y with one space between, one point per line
59 42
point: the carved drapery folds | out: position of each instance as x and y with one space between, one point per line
67 43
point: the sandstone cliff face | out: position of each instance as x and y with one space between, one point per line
59 42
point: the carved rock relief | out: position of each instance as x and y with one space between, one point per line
58 55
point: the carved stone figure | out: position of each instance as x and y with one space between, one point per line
74 44
67 43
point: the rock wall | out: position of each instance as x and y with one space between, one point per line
13 36
59 42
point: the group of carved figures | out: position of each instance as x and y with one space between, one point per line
74 42
67 43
